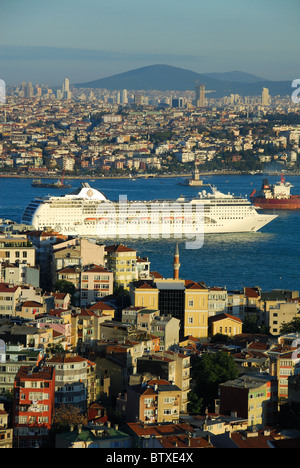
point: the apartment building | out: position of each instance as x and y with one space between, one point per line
6 433
72 380
171 366
75 253
16 250
122 261
95 282
9 299
254 397
155 401
13 356
33 405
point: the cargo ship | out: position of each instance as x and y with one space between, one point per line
275 197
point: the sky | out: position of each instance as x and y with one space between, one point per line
45 41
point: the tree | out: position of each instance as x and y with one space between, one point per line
195 403
65 287
291 327
65 416
208 372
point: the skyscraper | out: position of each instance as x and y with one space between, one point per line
29 90
265 97
200 95
124 96
66 89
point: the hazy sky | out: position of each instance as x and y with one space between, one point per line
46 41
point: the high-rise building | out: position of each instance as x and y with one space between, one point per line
265 97
66 89
29 90
200 95
124 96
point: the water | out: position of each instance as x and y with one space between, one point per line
268 258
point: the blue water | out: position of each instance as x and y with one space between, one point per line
269 258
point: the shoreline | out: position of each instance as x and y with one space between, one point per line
144 176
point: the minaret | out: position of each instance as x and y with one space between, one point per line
176 264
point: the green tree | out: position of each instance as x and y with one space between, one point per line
291 327
65 287
208 372
195 404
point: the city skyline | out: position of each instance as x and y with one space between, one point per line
91 40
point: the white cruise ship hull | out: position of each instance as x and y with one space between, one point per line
88 213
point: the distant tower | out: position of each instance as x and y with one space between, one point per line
124 96
176 264
200 95
29 90
265 97
66 93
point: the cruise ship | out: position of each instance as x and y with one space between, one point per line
87 212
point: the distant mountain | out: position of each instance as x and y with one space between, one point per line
238 76
166 77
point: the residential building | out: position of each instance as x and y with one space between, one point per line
95 282
76 252
122 261
33 405
167 328
9 297
253 396
224 324
171 366
166 436
16 249
157 401
196 310
71 380
13 356
6 433
95 436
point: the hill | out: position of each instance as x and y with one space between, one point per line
166 77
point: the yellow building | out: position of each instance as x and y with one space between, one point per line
122 261
225 324
185 300
196 310
144 294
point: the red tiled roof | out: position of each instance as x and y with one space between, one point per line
224 316
118 248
